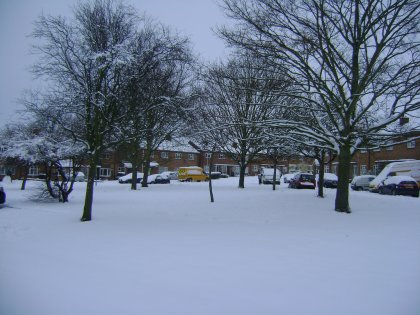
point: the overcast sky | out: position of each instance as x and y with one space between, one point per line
193 18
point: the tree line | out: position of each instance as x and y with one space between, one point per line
304 77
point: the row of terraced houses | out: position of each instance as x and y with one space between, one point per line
170 157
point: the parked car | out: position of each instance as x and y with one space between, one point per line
330 180
80 177
288 177
215 175
303 180
158 179
171 175
405 168
2 195
266 176
126 179
361 182
192 174
399 185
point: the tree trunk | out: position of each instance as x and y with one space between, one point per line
210 182
25 178
321 176
242 169
146 170
134 167
148 153
342 196
87 210
275 174
135 151
49 179
65 196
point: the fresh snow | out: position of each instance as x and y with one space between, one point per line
398 179
166 250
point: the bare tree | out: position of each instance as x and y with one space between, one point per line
41 142
83 60
154 92
241 94
355 61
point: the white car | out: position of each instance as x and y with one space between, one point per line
288 177
158 179
126 179
171 175
361 182
266 176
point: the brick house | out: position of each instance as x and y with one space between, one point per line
373 161
170 156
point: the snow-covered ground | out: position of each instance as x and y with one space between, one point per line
167 250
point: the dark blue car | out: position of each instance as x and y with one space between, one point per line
399 185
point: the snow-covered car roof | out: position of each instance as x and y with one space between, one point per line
398 179
170 174
356 178
364 176
129 176
270 171
328 176
289 175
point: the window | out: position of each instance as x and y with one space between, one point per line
236 170
327 169
106 156
191 156
33 171
411 144
363 151
255 168
2 170
152 155
378 149
208 155
390 148
363 170
376 169
178 156
222 156
354 170
105 172
164 155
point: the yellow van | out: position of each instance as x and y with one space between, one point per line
192 174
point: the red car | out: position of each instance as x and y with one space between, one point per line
303 180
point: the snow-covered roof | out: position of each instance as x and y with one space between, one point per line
177 145
328 176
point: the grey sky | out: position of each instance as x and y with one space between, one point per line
193 18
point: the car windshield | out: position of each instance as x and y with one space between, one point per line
307 177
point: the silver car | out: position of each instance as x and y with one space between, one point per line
361 182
